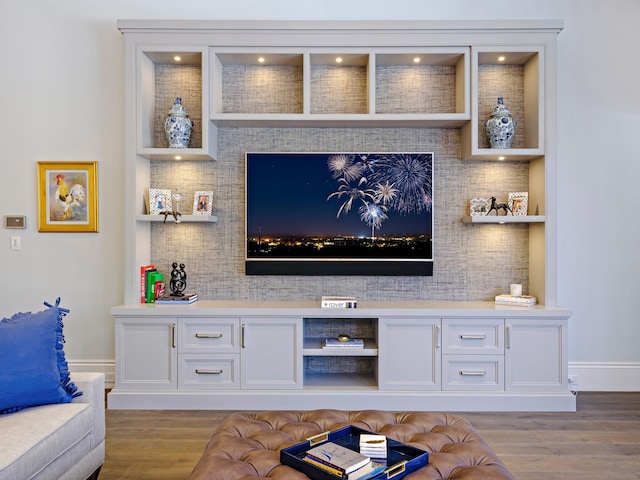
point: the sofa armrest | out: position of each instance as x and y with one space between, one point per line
91 384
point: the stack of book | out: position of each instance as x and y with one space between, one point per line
522 300
343 462
338 302
151 284
184 299
350 343
374 446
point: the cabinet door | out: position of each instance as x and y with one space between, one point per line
146 353
409 356
271 353
536 355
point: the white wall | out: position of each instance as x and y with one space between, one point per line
62 85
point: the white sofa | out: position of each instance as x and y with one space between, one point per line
56 442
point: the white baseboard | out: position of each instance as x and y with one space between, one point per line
606 377
108 367
591 376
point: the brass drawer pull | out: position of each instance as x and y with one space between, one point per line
208 335
472 374
472 337
208 372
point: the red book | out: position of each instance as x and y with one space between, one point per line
143 282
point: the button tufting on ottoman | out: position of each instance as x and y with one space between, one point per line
247 445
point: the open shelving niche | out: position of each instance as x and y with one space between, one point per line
340 366
286 88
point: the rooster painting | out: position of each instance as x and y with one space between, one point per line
68 202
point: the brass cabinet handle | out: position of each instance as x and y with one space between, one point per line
173 335
242 335
208 335
208 372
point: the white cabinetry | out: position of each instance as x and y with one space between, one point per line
256 355
410 354
536 355
271 352
473 354
146 352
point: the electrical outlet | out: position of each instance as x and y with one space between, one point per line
573 383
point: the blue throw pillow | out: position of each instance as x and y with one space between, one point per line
33 368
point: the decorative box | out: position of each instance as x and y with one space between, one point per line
401 459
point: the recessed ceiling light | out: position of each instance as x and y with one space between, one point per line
178 157
261 60
416 60
501 158
177 58
338 59
502 58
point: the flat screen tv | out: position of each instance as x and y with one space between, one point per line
339 214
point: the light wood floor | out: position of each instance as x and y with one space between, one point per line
600 441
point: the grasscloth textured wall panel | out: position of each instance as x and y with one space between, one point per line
471 262
427 89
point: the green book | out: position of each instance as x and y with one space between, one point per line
153 276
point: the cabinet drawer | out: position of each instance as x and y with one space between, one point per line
473 372
213 335
208 372
469 337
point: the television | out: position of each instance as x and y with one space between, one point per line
343 213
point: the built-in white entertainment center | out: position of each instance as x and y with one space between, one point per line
456 352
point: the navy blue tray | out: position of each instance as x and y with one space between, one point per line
401 459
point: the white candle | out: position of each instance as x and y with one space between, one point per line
515 289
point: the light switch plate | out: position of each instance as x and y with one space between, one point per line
15 221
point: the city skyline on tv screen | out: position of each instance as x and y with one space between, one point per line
339 205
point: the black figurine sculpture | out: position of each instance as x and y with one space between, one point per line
499 206
178 281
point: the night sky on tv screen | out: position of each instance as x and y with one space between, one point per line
301 194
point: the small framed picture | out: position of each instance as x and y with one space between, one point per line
159 200
202 203
519 202
480 206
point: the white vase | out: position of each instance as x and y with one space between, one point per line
501 127
177 126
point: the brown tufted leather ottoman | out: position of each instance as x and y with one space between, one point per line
247 446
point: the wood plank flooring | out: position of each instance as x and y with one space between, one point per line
600 441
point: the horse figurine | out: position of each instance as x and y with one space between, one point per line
499 206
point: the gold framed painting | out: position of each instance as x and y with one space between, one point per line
68 196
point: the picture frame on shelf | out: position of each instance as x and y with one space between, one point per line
480 206
159 200
519 203
203 203
67 196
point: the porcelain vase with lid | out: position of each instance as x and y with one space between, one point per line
501 127
177 126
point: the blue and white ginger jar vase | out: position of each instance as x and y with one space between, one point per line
501 127
177 126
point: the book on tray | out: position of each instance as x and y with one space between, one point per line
522 300
351 343
340 459
184 299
